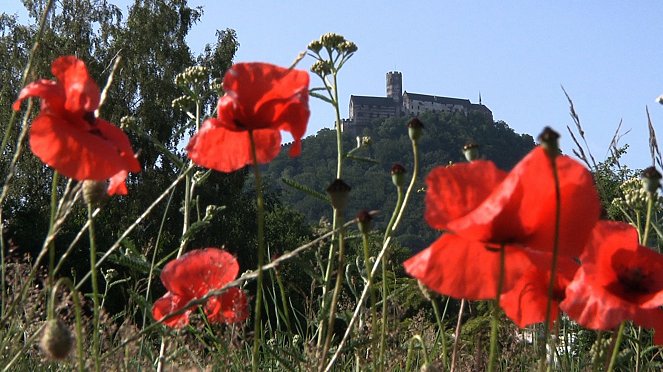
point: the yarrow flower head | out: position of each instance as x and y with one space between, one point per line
67 135
260 100
193 276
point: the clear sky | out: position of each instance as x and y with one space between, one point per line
608 55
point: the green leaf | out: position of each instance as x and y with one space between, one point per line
320 96
316 194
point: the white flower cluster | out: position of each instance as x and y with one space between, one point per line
192 75
634 196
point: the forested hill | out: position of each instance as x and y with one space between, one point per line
442 141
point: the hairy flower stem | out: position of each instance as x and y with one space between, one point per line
440 326
333 92
369 281
51 222
95 289
260 211
553 267
617 343
650 207
340 274
494 328
77 313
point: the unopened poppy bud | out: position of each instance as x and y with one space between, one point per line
338 192
95 192
414 128
398 175
549 139
651 179
471 151
57 341
660 99
364 220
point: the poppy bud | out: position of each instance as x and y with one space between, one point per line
364 219
414 127
549 139
338 192
651 179
398 175
660 99
471 151
57 341
95 192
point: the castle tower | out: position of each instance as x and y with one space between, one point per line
395 88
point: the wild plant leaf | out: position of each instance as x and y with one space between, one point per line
316 194
320 96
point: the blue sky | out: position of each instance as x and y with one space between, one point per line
608 55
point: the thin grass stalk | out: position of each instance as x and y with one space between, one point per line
440 327
340 274
27 70
138 220
617 344
51 222
410 349
260 211
459 323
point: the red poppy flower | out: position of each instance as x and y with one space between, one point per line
261 98
618 280
66 135
194 275
527 301
486 210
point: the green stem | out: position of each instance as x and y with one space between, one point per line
51 221
257 327
410 349
95 290
441 331
494 328
284 301
615 350
598 351
369 279
553 268
650 206
340 274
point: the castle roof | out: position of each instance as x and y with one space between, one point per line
437 99
369 100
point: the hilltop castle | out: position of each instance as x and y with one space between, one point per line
364 109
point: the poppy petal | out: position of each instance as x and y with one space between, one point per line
168 304
197 272
73 151
527 301
464 268
117 185
225 150
454 191
50 92
229 307
81 91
